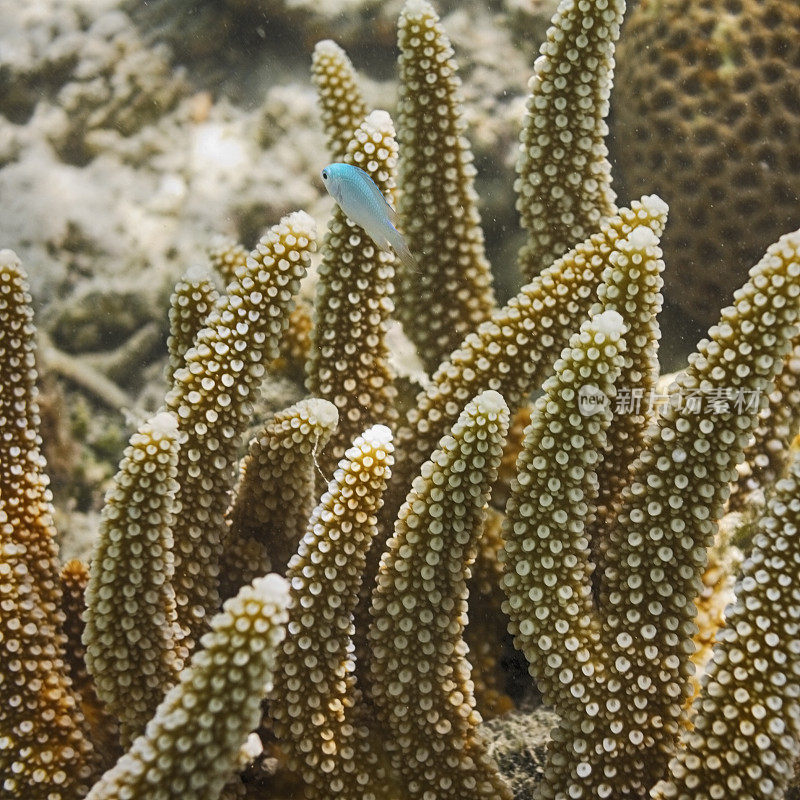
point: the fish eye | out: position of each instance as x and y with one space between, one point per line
324 174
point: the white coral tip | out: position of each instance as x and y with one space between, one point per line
491 402
609 322
272 589
164 423
378 436
642 237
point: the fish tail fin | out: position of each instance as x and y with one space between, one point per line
407 260
403 253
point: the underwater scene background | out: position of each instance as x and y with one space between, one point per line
283 515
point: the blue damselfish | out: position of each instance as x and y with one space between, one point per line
363 202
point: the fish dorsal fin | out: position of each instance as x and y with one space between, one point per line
380 199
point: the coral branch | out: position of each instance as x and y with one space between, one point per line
349 363
45 753
211 395
226 256
330 745
547 552
421 683
450 293
132 637
657 550
189 749
342 107
276 492
192 299
564 178
746 724
23 483
512 352
778 422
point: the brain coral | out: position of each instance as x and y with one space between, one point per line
706 113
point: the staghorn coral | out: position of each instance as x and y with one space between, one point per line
564 178
547 550
342 108
24 484
716 594
746 734
624 649
690 462
103 726
631 286
192 300
766 457
511 352
420 674
44 748
226 257
622 714
210 397
331 747
190 747
132 636
450 291
349 360
275 495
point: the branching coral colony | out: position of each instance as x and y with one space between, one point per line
604 540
